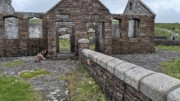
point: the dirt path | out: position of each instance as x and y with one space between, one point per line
150 61
50 86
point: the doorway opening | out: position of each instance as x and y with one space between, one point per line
64 40
91 36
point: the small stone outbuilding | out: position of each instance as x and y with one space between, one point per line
135 29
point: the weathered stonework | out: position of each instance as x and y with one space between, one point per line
85 14
134 34
5 7
143 43
123 81
136 29
19 43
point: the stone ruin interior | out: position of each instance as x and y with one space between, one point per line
27 33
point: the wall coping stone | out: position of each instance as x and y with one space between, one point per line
133 76
156 86
174 95
112 64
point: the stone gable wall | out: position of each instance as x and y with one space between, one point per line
80 12
138 7
123 81
143 43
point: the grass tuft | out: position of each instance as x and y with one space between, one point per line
172 68
33 73
82 86
13 89
64 45
14 63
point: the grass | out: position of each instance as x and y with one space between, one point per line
64 44
14 63
174 27
159 32
92 47
172 68
33 73
169 26
35 21
82 86
168 48
13 89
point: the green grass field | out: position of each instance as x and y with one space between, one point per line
35 21
160 29
64 45
31 74
82 86
172 68
14 89
14 63
169 26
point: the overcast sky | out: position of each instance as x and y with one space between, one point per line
166 10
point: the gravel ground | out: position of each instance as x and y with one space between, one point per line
150 61
50 86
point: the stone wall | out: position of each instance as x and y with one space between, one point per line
6 7
123 81
84 14
142 43
167 42
12 45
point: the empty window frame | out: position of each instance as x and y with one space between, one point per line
130 6
116 28
11 28
95 17
134 30
35 28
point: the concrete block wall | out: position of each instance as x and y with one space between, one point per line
123 81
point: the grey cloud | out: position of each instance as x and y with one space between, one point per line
164 13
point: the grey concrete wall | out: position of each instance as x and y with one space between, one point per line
123 81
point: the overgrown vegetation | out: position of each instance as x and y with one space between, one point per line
92 47
82 86
13 89
33 73
168 48
160 32
14 63
167 29
170 26
172 68
64 45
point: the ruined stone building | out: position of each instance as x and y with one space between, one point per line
132 32
136 27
